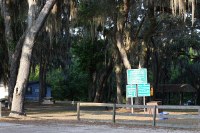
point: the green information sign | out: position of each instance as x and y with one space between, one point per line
143 90
137 76
131 91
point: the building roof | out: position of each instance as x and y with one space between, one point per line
36 82
175 88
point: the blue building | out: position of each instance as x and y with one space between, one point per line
32 91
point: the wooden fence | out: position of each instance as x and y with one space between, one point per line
184 119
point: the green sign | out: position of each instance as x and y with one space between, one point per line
143 90
137 76
131 91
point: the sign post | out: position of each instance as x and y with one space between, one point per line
131 91
143 90
137 78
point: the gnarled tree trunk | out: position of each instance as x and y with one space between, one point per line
121 20
23 73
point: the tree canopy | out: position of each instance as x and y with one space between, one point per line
82 48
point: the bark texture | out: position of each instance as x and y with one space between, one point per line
118 72
5 12
121 21
23 73
14 67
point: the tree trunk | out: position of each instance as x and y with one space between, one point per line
14 60
13 68
6 14
3 55
122 51
102 80
118 73
92 88
198 97
31 12
23 73
110 91
148 40
121 19
42 77
155 73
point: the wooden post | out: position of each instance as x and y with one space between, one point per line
154 116
0 110
78 111
169 98
114 113
199 118
181 98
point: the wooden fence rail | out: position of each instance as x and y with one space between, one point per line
154 114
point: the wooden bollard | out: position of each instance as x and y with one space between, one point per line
154 116
114 113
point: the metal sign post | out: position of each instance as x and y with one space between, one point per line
144 90
132 105
137 79
131 91
144 103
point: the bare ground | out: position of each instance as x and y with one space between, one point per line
63 113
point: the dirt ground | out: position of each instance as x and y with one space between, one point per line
62 112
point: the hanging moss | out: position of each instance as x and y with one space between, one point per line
180 6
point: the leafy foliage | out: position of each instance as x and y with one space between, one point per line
34 75
169 45
56 79
88 54
73 87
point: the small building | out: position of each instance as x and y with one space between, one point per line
176 93
32 91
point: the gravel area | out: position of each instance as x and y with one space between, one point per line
59 127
